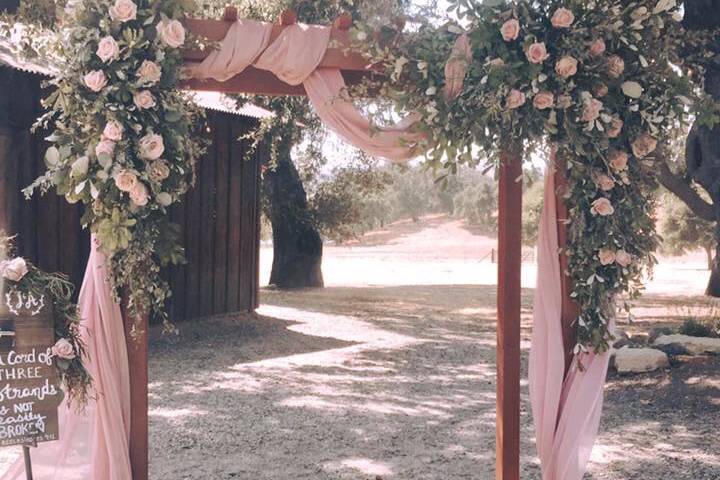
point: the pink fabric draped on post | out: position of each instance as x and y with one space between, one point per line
294 58
566 411
93 444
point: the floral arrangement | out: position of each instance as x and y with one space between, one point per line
24 278
121 140
600 80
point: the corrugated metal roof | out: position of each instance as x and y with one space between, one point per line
223 103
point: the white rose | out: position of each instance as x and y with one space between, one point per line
510 30
592 110
616 127
14 270
63 349
515 99
113 131
562 18
623 258
149 72
566 66
107 49
171 33
123 11
602 207
644 145
151 146
159 170
95 80
606 256
105 147
619 161
144 99
125 181
139 194
605 183
615 66
564 101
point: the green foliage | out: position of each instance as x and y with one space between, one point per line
532 210
696 328
477 203
682 231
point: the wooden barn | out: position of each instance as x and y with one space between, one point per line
220 217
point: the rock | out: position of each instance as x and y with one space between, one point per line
672 349
639 360
694 345
621 338
657 332
639 338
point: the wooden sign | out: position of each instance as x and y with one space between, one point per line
29 384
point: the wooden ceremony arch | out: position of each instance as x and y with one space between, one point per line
354 67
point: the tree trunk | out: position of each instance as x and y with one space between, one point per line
709 256
297 246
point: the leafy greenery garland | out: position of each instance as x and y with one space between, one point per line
74 377
600 80
122 138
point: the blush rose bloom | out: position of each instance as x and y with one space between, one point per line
510 30
544 100
140 194
606 256
171 33
537 53
592 110
14 270
616 127
597 48
602 207
564 101
644 145
515 99
107 49
144 99
562 18
619 161
623 258
149 72
123 11
105 147
63 349
566 67
125 181
113 131
600 90
95 80
151 146
605 183
159 170
615 66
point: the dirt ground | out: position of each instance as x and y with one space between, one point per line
389 374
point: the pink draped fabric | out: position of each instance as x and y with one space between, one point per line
93 444
294 58
566 411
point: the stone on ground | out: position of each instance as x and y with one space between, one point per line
639 360
694 345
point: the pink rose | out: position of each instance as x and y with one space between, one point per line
149 72
644 145
592 110
151 146
107 49
616 127
619 161
606 256
564 101
14 270
600 90
113 131
566 67
171 33
602 207
105 147
597 48
544 100
123 11
562 18
159 170
63 349
623 258
515 99
140 194
510 30
605 183
144 99
125 181
95 80
537 53
615 66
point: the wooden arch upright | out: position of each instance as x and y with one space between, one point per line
354 67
